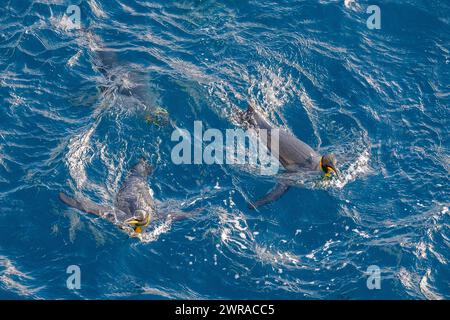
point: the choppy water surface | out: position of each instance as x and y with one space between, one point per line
378 99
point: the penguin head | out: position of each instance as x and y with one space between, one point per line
328 165
140 220
157 116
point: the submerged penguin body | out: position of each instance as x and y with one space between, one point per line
134 205
294 155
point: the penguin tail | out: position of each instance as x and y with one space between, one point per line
251 107
245 118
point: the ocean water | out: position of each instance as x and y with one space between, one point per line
377 98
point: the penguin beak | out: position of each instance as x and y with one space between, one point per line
332 170
137 223
133 222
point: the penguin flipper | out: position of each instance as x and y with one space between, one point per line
84 205
180 215
271 196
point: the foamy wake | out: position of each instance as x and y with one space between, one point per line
11 278
153 235
80 153
426 288
236 236
357 168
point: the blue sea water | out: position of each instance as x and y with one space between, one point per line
377 98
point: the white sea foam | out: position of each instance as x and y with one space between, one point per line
154 233
80 153
426 288
73 60
97 9
359 167
13 279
